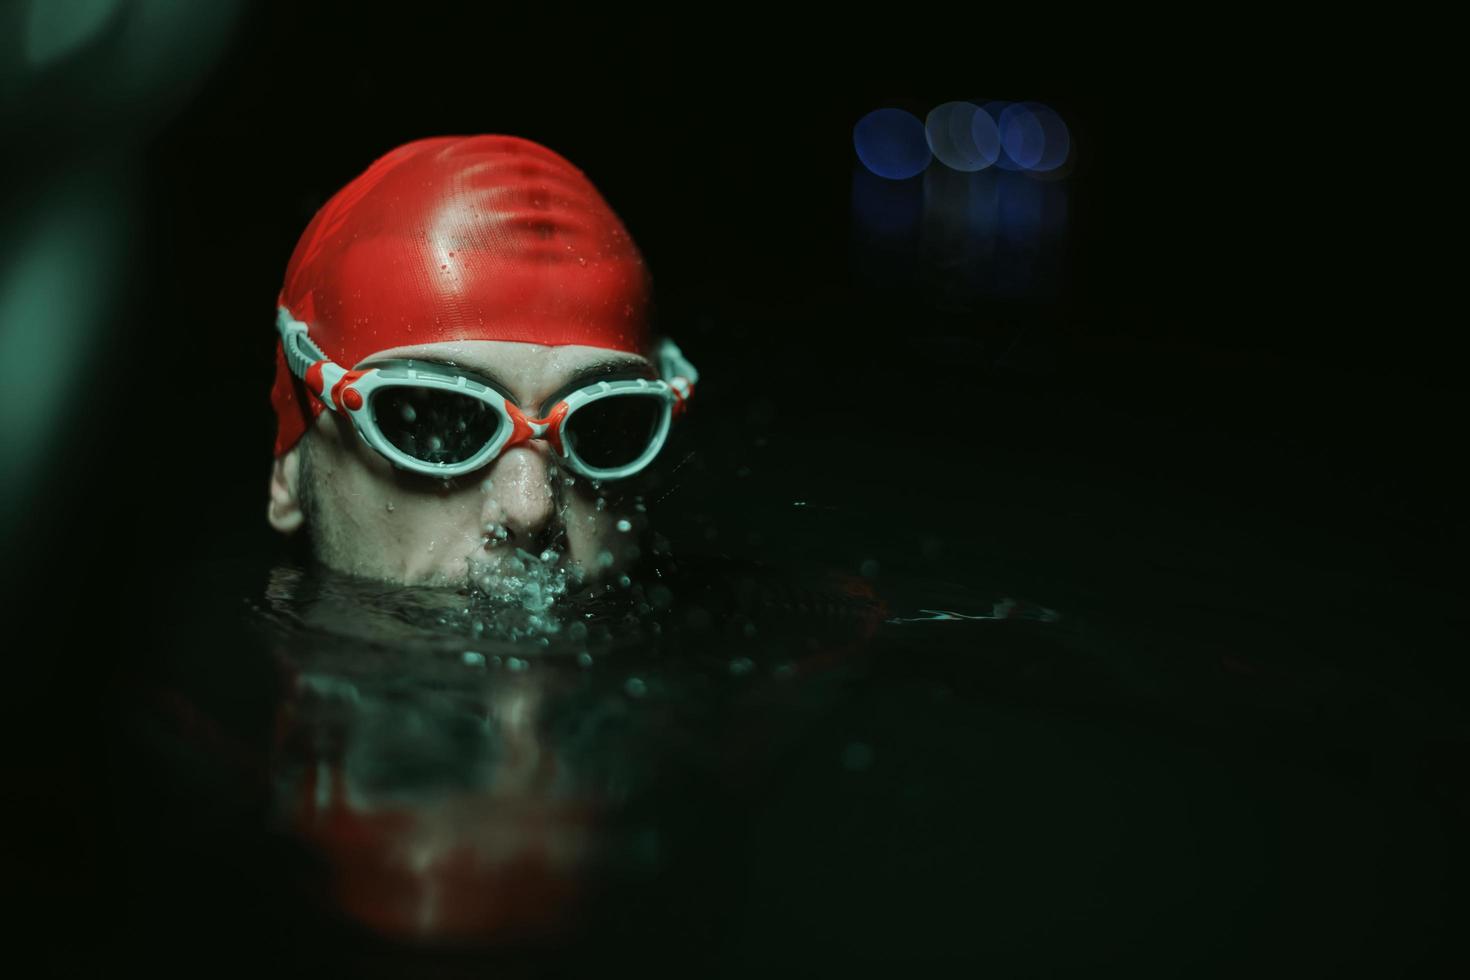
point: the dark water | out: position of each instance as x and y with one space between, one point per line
1071 702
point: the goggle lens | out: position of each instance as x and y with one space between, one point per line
614 431
434 425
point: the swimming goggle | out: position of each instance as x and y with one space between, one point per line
441 421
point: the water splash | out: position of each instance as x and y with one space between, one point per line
514 596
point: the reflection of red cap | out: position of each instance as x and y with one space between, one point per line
461 238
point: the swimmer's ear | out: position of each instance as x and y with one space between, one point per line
284 511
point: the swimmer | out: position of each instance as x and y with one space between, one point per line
467 376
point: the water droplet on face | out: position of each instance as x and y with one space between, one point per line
602 503
389 506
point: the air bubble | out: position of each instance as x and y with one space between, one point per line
635 687
625 525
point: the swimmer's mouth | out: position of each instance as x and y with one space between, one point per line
505 563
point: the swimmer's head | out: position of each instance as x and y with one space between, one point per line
489 257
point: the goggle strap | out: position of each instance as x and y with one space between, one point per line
323 376
673 364
301 353
678 372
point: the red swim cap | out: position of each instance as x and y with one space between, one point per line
460 238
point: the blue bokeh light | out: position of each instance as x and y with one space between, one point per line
994 110
986 136
1057 140
892 143
1022 135
962 137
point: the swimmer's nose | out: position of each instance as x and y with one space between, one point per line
519 495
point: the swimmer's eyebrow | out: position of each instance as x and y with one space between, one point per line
602 369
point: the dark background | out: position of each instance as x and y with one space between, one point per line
1226 266
1231 378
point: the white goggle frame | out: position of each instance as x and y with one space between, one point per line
351 392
